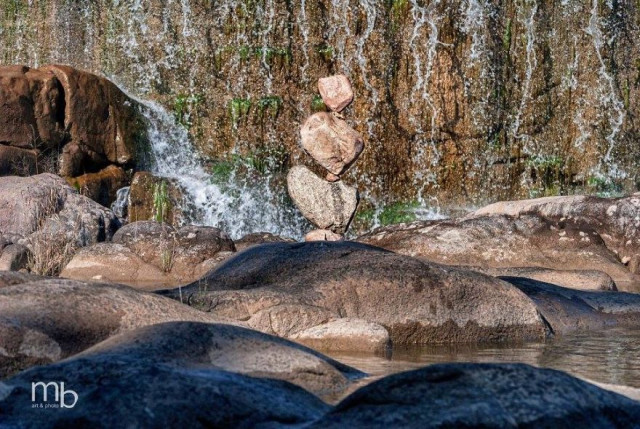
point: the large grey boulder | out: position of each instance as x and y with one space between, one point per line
46 202
482 395
331 142
327 205
504 241
42 321
616 220
230 348
285 289
49 217
149 255
130 392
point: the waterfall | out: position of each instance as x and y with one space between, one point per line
235 204
612 106
461 102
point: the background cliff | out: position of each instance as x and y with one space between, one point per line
460 102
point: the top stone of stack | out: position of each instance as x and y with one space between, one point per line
336 92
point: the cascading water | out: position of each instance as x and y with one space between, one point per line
461 102
238 205
613 107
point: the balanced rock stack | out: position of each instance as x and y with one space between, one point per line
328 204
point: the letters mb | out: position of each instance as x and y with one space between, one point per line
60 393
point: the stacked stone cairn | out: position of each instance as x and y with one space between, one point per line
328 203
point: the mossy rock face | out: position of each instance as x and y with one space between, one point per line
155 198
459 101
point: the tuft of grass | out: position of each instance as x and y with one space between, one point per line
183 107
506 37
325 51
238 108
317 105
270 105
400 212
50 252
160 201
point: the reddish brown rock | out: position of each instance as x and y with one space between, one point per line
336 91
331 142
104 124
76 122
101 186
32 107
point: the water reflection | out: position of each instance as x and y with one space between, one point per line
610 356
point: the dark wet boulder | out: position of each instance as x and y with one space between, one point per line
286 288
133 392
230 348
572 279
569 310
482 395
256 238
42 321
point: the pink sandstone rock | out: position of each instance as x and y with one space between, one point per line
323 235
336 91
331 142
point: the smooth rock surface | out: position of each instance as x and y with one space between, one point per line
572 279
482 395
46 320
129 392
285 289
336 91
10 278
230 348
502 241
322 235
256 238
327 205
351 335
617 220
149 255
331 142
567 310
14 257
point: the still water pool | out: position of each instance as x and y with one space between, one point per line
610 356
